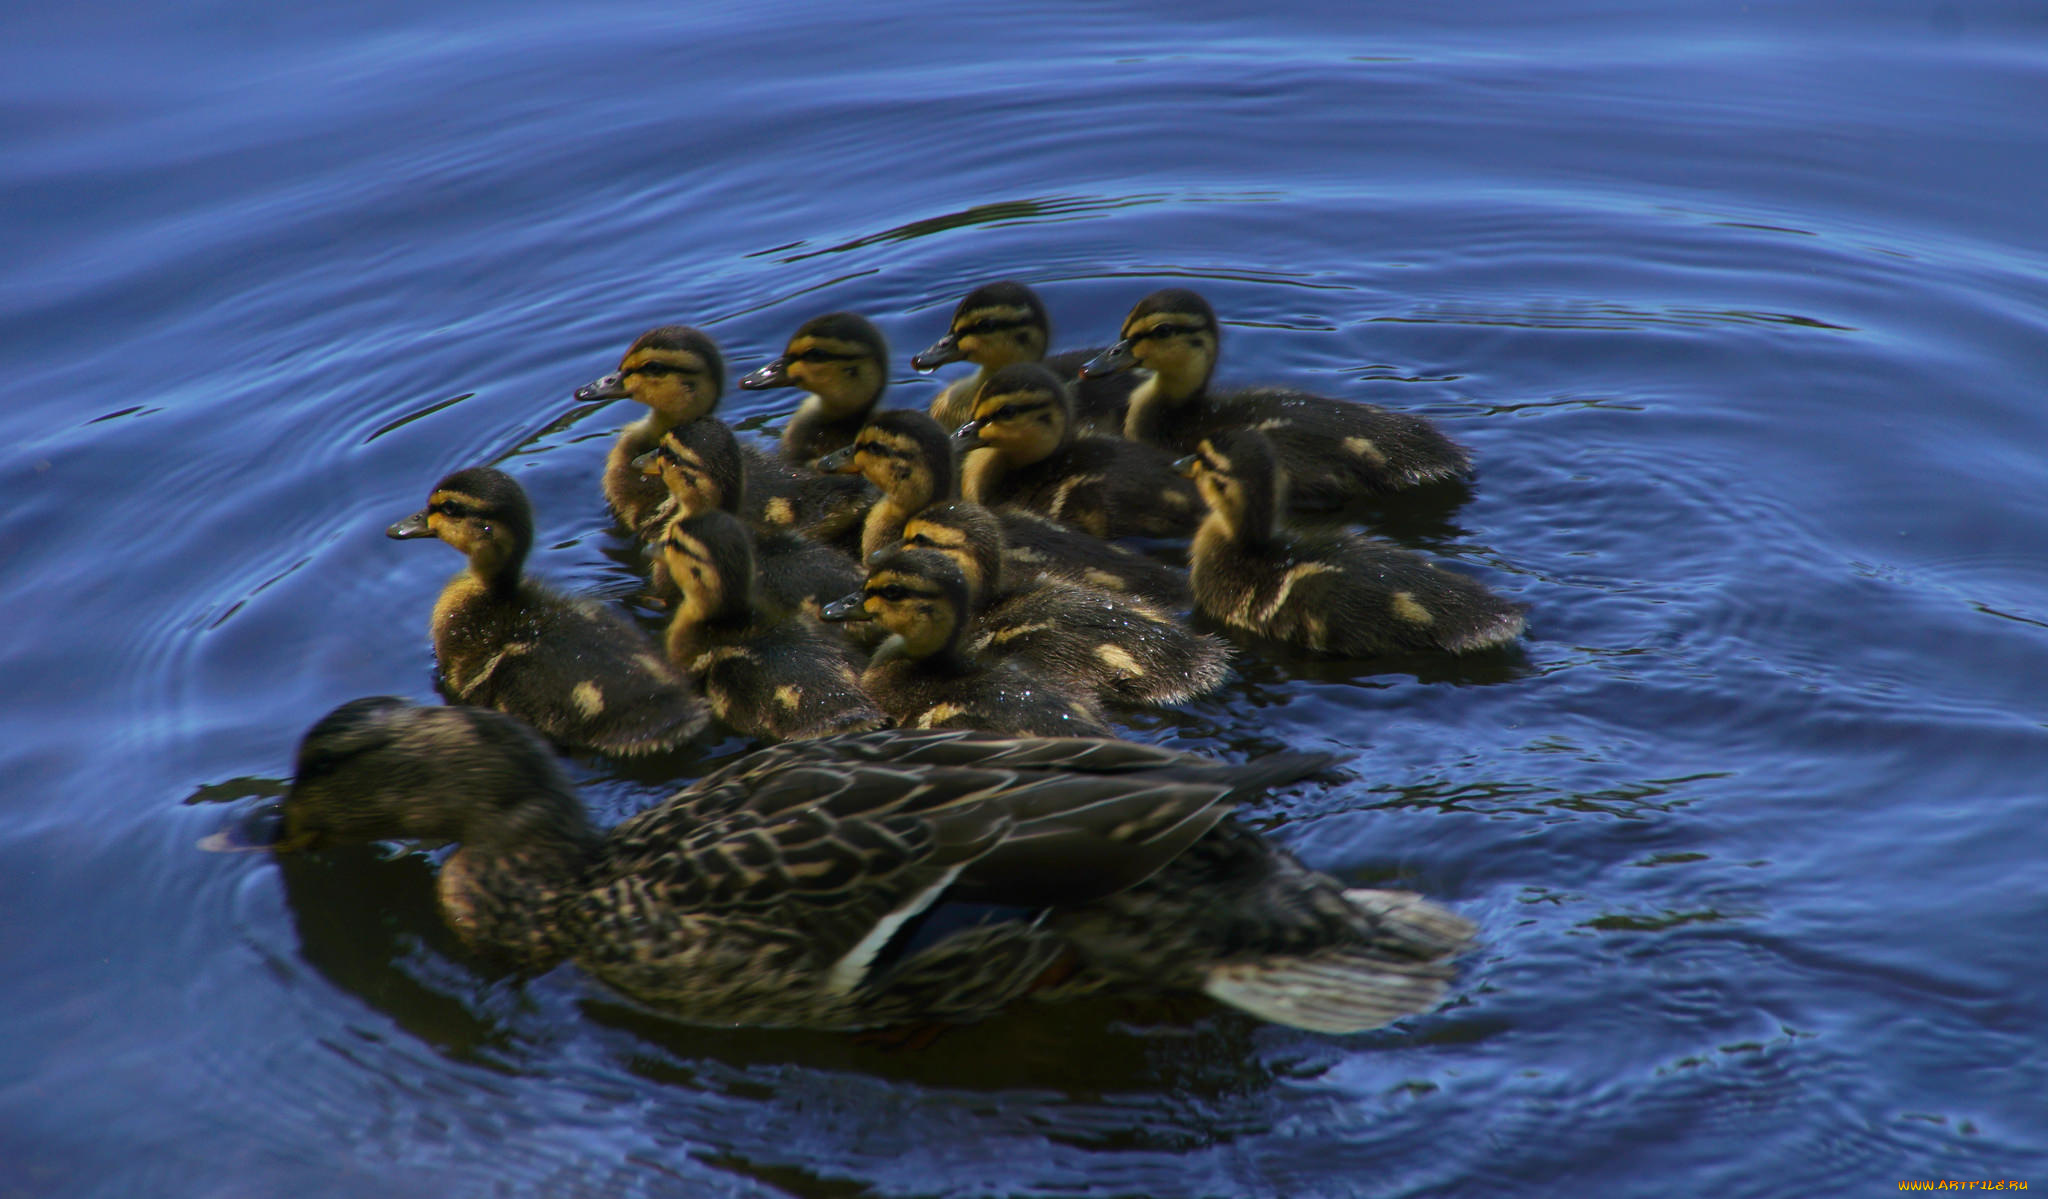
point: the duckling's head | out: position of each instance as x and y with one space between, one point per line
839 357
1172 333
481 512
1239 478
384 769
967 533
996 325
918 595
675 370
711 558
700 462
905 453
1023 412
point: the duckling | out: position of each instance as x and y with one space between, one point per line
1335 593
701 465
679 374
1003 323
769 676
841 359
910 458
576 670
1333 450
925 677
1022 449
878 880
1118 648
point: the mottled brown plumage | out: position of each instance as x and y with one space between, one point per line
769 673
814 884
926 676
1333 592
1334 451
575 669
1115 646
843 362
1005 322
1023 449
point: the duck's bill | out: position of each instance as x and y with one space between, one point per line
970 433
411 527
850 608
259 831
1116 358
648 463
944 350
838 462
610 387
1185 467
775 374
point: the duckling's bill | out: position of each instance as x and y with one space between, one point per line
605 387
411 527
775 374
943 351
1116 358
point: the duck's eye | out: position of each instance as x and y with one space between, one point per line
919 539
450 508
894 592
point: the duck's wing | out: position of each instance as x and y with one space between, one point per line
845 848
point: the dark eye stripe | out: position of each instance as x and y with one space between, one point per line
989 325
1168 331
663 368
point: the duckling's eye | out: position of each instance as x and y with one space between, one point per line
894 591
449 508
919 539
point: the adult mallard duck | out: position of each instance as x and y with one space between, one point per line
878 880
1334 451
679 374
1003 323
1332 592
1113 645
578 671
910 459
843 362
701 464
1022 449
771 674
925 676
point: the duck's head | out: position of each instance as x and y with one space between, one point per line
381 769
840 357
1022 412
918 595
1239 478
711 558
481 512
1173 334
996 325
675 370
967 533
700 463
905 453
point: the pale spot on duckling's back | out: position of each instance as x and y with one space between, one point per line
1364 448
779 511
1307 570
789 696
938 714
1406 607
1120 660
588 697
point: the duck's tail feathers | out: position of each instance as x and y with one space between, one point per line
1410 923
1339 991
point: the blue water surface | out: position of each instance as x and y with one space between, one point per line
1743 311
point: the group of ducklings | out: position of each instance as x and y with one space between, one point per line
979 536
997 841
